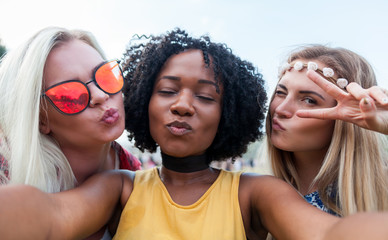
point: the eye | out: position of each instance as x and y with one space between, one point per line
166 92
279 92
206 98
309 100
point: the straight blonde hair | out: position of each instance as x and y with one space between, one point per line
354 173
34 158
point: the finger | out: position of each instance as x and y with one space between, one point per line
323 114
379 94
368 107
332 89
356 91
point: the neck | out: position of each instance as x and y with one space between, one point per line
307 166
87 162
185 164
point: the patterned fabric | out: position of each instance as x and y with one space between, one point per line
314 199
4 173
127 161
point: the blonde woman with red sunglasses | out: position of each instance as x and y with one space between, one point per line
61 109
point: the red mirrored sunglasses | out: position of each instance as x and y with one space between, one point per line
73 96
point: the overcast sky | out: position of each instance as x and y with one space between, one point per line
260 31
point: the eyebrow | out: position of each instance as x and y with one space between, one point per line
204 81
303 91
171 78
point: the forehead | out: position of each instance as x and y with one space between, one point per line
189 62
72 51
70 60
298 80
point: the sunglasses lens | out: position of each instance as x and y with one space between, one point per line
109 77
69 97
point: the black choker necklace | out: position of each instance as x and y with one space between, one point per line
185 164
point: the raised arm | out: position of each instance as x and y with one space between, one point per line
367 108
284 213
27 213
360 226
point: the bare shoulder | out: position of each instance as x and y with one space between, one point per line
258 196
128 178
264 190
281 209
262 184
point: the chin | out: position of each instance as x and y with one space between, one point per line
283 147
113 135
175 152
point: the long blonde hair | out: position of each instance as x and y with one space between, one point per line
34 158
355 165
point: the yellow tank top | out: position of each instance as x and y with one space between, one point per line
150 212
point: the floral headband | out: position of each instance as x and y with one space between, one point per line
328 73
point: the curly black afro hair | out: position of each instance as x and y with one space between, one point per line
244 96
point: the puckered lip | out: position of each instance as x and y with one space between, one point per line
110 116
276 125
179 128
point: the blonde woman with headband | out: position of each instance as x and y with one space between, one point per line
61 108
330 158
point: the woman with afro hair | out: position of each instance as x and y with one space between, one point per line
197 102
244 96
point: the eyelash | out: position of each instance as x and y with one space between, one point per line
278 92
171 92
311 100
166 92
307 100
209 99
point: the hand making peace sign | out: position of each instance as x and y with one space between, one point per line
367 108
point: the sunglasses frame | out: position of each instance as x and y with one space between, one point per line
85 85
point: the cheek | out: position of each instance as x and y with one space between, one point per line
153 127
54 117
120 104
327 132
61 125
273 105
154 117
117 98
318 131
212 124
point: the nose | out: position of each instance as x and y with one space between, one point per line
183 105
285 109
97 96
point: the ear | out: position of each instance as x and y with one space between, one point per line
44 126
